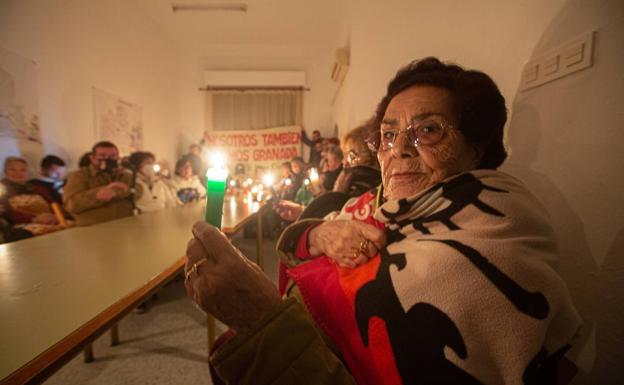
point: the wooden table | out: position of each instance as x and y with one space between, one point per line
59 292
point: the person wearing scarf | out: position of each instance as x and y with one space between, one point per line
444 274
24 209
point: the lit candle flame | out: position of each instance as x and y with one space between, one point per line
314 176
267 179
156 168
217 159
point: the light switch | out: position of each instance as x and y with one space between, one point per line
573 55
550 66
529 75
570 57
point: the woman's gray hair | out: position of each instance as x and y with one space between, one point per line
335 151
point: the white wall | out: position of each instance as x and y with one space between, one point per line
494 36
566 140
565 137
315 60
78 44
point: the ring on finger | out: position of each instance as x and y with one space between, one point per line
193 269
363 246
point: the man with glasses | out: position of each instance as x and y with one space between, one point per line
99 192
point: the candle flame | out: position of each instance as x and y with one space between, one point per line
314 176
267 179
217 159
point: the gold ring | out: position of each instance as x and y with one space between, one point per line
363 246
193 269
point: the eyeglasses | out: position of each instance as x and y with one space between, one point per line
352 157
423 133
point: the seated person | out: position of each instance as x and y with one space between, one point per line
443 275
99 192
332 168
185 183
24 211
360 171
285 178
195 157
298 174
156 193
52 177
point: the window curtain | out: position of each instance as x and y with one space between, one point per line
251 110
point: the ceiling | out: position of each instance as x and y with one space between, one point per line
266 22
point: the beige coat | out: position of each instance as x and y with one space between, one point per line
80 201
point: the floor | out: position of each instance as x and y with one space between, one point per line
165 345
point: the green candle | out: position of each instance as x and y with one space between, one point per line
215 190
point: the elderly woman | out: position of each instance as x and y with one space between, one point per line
441 276
360 171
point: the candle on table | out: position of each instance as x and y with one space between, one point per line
314 181
216 178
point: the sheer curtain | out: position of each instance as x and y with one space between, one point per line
250 110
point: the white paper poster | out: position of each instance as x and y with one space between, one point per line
118 121
19 115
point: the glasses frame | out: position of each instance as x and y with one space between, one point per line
375 141
352 157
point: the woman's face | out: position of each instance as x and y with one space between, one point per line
333 162
16 172
147 166
187 170
407 170
285 171
296 167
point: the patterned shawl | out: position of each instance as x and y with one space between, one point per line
464 293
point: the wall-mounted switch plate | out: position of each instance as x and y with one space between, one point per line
570 57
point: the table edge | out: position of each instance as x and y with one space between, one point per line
50 360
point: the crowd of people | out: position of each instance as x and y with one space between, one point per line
103 188
337 170
106 186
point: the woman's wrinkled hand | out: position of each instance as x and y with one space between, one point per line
287 210
348 242
225 283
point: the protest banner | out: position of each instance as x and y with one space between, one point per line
264 149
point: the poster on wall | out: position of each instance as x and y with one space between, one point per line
117 121
265 148
19 113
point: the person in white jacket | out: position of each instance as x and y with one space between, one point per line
185 183
156 193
